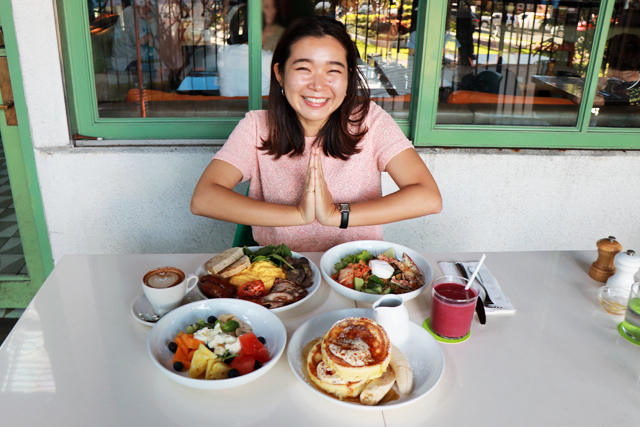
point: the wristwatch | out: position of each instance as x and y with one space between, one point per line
344 209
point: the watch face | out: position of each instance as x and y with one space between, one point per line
345 207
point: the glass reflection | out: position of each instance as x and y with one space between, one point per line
184 58
189 58
27 363
617 100
512 63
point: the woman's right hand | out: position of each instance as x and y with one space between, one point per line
307 206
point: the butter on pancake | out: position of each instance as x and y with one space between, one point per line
328 380
261 270
356 349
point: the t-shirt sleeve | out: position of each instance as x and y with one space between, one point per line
388 139
240 150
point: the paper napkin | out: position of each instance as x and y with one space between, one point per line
488 280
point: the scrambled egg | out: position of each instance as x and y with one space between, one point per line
261 270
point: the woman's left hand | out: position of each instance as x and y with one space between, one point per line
326 211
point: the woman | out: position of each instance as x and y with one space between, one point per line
271 29
321 142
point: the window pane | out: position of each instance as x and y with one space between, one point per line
384 33
511 63
617 102
185 58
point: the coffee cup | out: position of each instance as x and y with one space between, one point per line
165 287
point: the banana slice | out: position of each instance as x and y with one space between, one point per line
402 370
377 389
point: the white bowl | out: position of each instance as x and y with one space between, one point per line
376 247
421 350
263 322
317 279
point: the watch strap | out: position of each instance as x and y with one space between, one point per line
344 219
344 222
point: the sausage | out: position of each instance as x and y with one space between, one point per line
214 287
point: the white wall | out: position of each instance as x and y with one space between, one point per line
136 200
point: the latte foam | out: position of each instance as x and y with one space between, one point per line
162 278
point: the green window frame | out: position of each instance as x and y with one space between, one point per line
81 94
420 128
426 133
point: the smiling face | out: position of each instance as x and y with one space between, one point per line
315 80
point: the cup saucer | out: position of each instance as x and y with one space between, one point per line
141 305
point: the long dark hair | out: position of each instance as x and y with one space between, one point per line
345 128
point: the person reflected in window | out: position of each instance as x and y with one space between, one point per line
464 34
622 86
413 26
124 56
271 28
321 143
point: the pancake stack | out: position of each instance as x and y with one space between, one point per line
352 361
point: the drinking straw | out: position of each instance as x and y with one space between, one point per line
475 272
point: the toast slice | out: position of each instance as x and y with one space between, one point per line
235 268
224 260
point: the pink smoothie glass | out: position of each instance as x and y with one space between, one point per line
452 307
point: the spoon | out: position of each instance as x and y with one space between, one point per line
149 317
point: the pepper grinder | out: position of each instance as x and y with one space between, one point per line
627 264
603 267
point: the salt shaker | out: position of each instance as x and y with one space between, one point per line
603 267
627 265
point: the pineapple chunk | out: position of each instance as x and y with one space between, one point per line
200 359
217 371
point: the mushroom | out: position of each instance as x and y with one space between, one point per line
306 282
296 276
276 299
244 328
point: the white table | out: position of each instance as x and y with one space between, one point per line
77 357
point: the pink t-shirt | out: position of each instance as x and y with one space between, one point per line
281 181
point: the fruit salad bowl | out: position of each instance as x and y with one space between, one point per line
262 321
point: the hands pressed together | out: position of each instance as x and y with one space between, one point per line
317 202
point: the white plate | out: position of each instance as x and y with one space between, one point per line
317 279
376 247
142 305
421 349
263 322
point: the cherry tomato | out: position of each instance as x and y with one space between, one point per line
252 346
253 289
244 364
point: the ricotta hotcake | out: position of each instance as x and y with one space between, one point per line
356 349
328 380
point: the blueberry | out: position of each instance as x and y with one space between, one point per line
233 373
173 347
262 340
212 319
257 365
178 366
